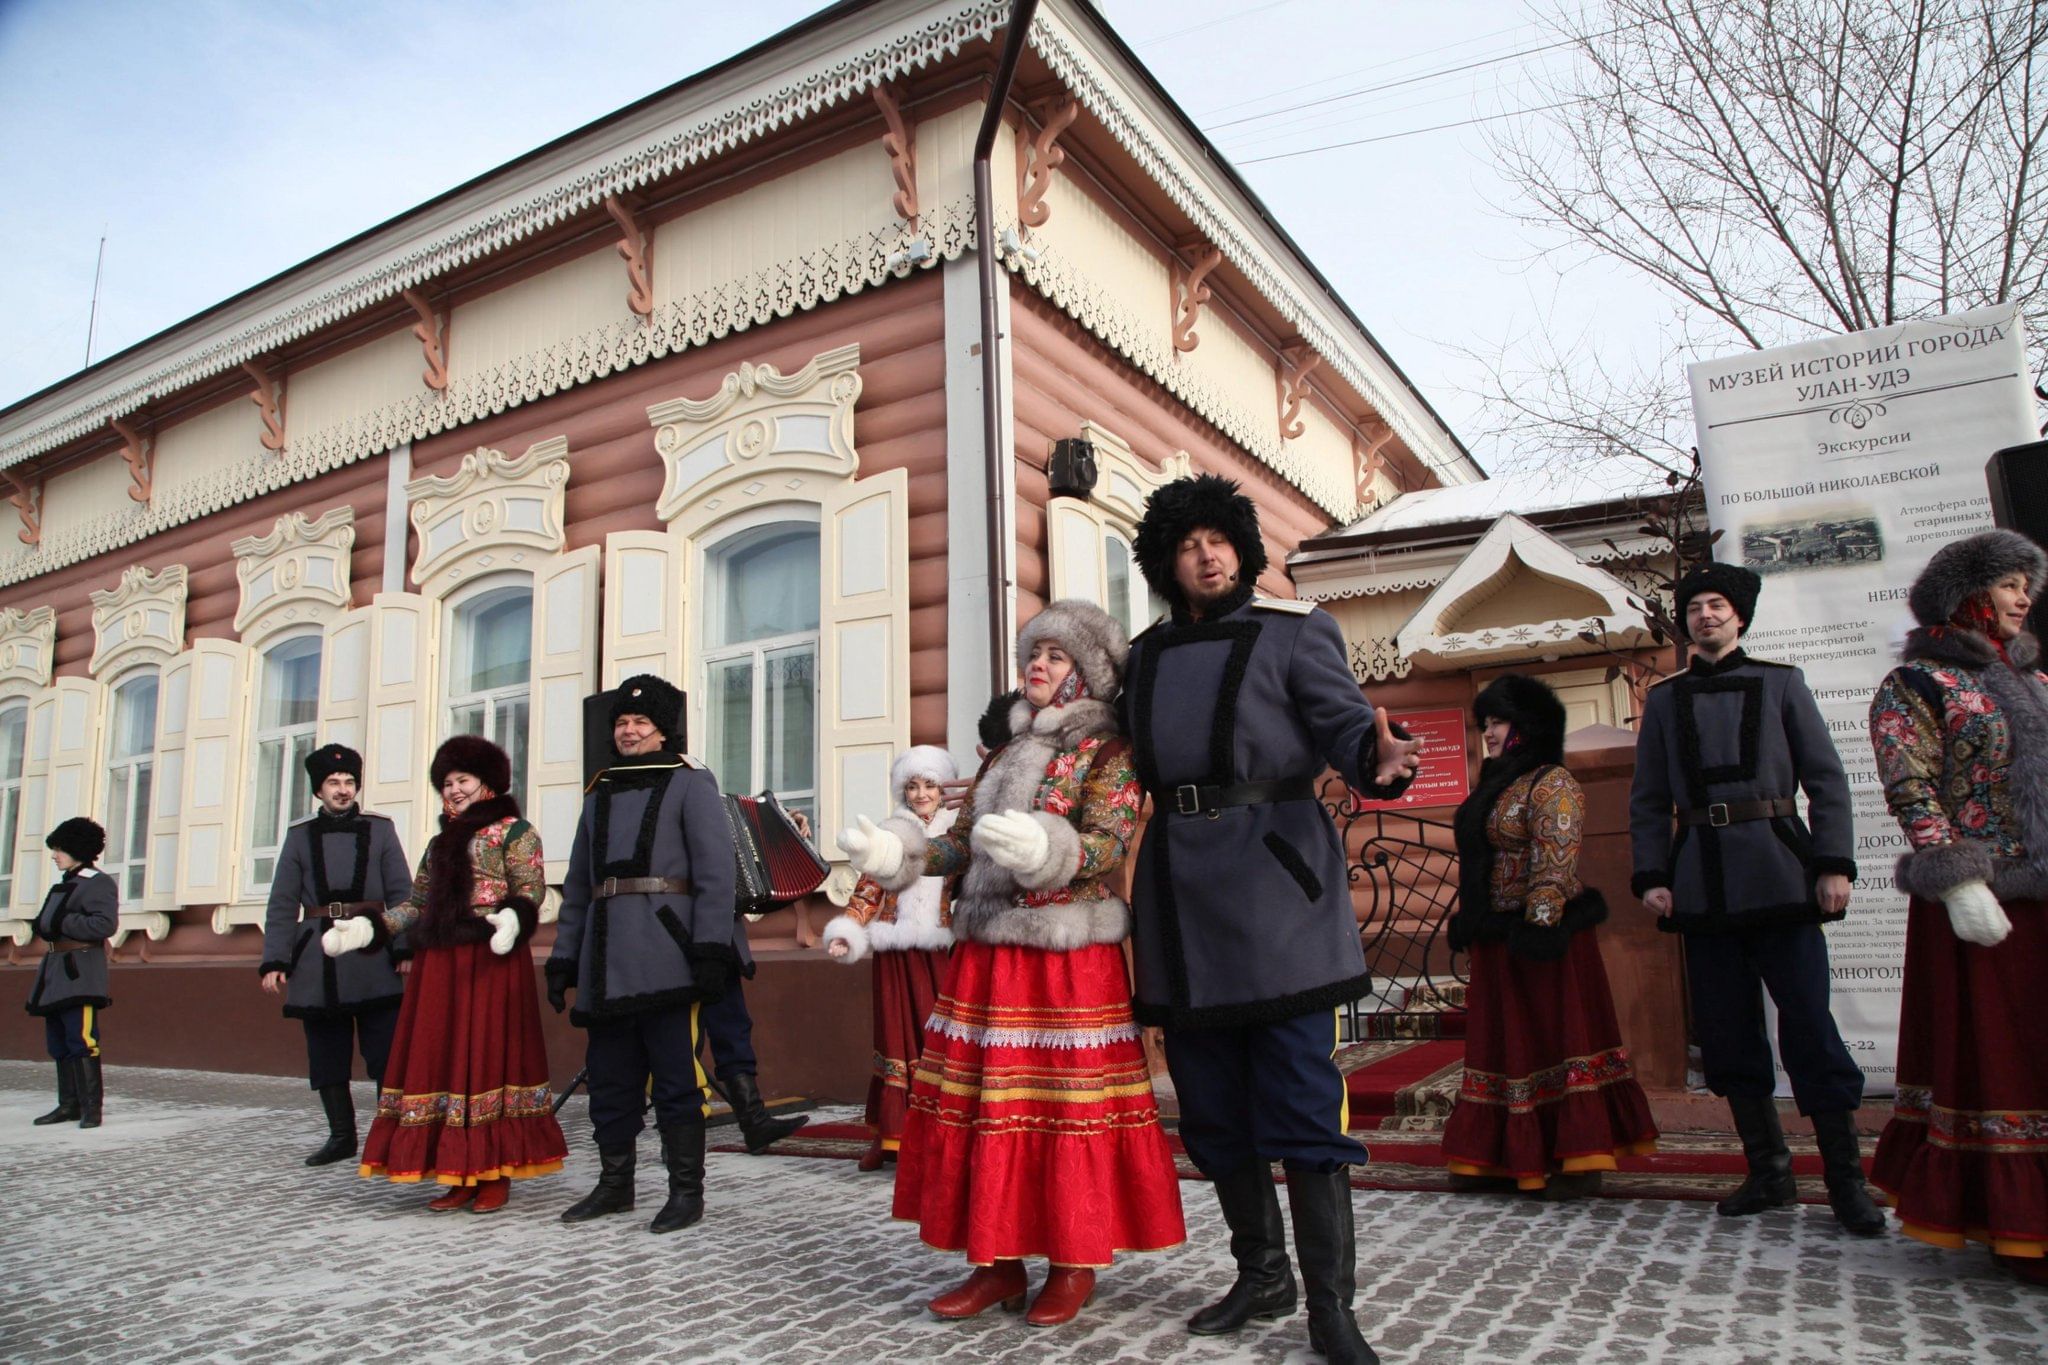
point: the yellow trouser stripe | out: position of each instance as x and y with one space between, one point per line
1336 1040
697 1061
92 1044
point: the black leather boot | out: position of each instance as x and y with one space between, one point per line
67 1095
682 1151
1325 1244
340 1107
760 1130
1258 1243
1842 1167
92 1091
614 1192
1770 1184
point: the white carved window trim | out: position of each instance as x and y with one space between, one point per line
28 646
497 512
295 576
294 794
140 620
114 862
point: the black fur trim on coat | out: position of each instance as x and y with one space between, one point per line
528 913
1764 916
1649 880
448 917
1538 718
994 725
1311 1001
1535 942
1206 500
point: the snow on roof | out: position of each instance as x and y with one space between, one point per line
1534 491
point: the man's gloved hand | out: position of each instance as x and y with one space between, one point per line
348 936
1013 839
874 851
561 980
1975 914
713 976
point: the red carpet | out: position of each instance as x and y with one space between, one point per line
1400 1080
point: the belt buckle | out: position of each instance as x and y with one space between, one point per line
336 910
1717 814
608 888
1187 799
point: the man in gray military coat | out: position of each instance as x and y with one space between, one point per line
645 939
1722 857
1244 936
79 915
335 864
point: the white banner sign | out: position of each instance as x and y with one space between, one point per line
1835 468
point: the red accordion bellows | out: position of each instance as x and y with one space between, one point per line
777 864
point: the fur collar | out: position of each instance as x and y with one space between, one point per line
1064 727
1702 667
1968 649
449 917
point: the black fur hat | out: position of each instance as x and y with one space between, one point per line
1531 707
1206 500
1739 585
643 694
477 756
333 758
1963 567
78 838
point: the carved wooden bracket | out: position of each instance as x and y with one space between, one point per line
1038 157
28 504
432 330
140 454
269 400
1369 445
900 142
1295 389
637 250
1189 294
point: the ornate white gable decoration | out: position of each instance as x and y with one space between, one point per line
296 575
28 645
1510 555
763 432
496 512
1125 482
143 618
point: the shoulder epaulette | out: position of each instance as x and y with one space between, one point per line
1668 677
1157 622
1294 606
90 872
305 819
373 814
691 761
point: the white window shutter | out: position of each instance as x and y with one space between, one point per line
643 606
864 648
167 801
1075 534
215 763
564 673
398 719
345 679
32 871
76 751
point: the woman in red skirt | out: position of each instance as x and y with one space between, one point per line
465 1099
1549 1098
1961 733
1032 1127
907 933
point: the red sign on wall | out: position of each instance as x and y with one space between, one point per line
1442 780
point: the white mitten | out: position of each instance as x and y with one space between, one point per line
347 936
505 929
1013 839
1975 914
874 851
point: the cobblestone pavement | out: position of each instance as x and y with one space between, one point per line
186 1229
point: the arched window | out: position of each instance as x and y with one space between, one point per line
490 670
13 751
761 662
131 771
287 705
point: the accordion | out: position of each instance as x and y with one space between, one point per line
776 864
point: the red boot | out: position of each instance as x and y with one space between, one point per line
871 1159
453 1198
1001 1283
491 1195
1067 1291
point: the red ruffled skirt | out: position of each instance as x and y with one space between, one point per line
465 1095
1965 1155
1548 1086
907 983
1032 1128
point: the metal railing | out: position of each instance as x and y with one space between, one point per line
1404 882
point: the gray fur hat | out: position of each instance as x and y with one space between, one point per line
1963 567
1091 635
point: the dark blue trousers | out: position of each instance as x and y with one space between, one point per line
621 1056
1266 1092
731 1032
1727 975
331 1038
72 1033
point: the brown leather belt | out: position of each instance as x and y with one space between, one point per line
343 910
1735 812
71 945
641 886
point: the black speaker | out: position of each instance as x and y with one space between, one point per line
2018 476
597 734
1071 472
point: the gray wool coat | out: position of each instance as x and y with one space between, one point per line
324 859
1244 916
1740 730
83 905
634 953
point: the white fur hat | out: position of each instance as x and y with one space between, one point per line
920 760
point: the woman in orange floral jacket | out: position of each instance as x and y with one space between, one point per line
1032 1127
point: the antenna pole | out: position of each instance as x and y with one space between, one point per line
93 321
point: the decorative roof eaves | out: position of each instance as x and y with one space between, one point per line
510 204
1149 134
